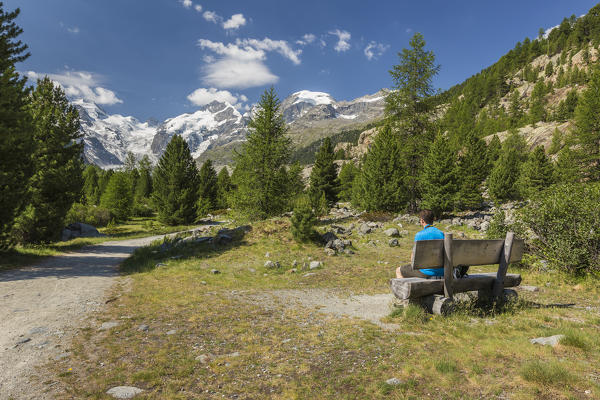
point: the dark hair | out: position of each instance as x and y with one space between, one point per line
427 216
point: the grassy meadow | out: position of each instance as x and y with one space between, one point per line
222 335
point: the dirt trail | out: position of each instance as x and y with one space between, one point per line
42 306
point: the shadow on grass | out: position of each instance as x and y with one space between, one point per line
147 258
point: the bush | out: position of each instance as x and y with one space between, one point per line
142 208
91 215
303 221
564 220
498 226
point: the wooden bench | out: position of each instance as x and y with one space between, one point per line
437 295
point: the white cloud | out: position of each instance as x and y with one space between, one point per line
235 73
81 85
212 16
235 21
74 30
280 46
203 96
208 59
343 38
232 50
306 39
186 3
198 7
374 50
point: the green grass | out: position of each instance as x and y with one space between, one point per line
298 352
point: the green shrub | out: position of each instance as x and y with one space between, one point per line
498 226
303 221
545 372
91 215
565 221
142 208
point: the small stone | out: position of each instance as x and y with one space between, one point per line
233 355
392 232
295 263
267 254
292 271
251 270
348 251
364 229
171 332
393 381
160 265
124 392
61 356
215 271
315 264
547 341
204 358
108 325
330 252
393 242
203 282
143 328
306 275
270 264
529 288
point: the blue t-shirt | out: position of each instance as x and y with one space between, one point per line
430 232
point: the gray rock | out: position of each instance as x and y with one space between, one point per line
158 265
348 251
124 392
295 263
347 242
143 328
215 271
393 242
457 221
485 225
79 229
330 252
171 332
306 275
108 325
329 237
529 288
38 330
393 381
204 358
61 356
403 233
547 341
270 264
392 232
267 254
364 229
315 264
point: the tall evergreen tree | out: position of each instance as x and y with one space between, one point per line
207 188
295 182
514 110
473 168
175 184
323 177
586 134
260 177
502 182
409 108
103 179
493 150
57 160
566 168
91 189
143 188
537 173
118 197
380 185
15 125
224 187
439 177
346 177
537 112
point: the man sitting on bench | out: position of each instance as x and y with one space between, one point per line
429 232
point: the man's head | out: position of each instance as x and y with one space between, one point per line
426 217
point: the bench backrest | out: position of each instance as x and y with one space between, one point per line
430 253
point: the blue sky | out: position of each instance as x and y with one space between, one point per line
161 58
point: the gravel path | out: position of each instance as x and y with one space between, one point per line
42 306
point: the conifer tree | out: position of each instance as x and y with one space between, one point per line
473 168
117 197
346 177
515 111
439 177
537 173
15 125
586 134
556 143
502 182
493 150
224 187
91 189
57 160
303 220
175 184
409 108
143 188
261 186
537 112
295 182
380 183
103 179
549 69
208 189
566 168
323 177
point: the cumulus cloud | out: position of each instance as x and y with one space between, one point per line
203 96
81 85
74 30
198 7
343 40
212 16
306 39
235 21
186 3
374 50
242 63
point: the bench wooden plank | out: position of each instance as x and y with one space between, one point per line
410 288
448 266
503 267
430 253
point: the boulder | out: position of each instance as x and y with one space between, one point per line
393 242
547 341
364 229
392 232
79 229
315 264
270 264
124 392
330 252
329 237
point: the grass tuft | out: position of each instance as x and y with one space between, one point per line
545 373
446 366
575 338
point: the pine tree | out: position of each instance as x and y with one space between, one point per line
586 134
473 168
57 160
103 179
175 184
261 187
295 182
439 177
208 189
556 143
409 108
323 177
117 197
143 188
303 220
566 168
380 183
224 187
15 125
549 70
346 177
493 150
502 182
91 189
537 112
515 111
537 173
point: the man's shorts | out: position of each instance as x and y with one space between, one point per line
408 272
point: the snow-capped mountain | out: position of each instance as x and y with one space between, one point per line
215 127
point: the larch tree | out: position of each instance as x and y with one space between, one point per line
208 190
439 178
323 177
537 173
586 135
473 168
